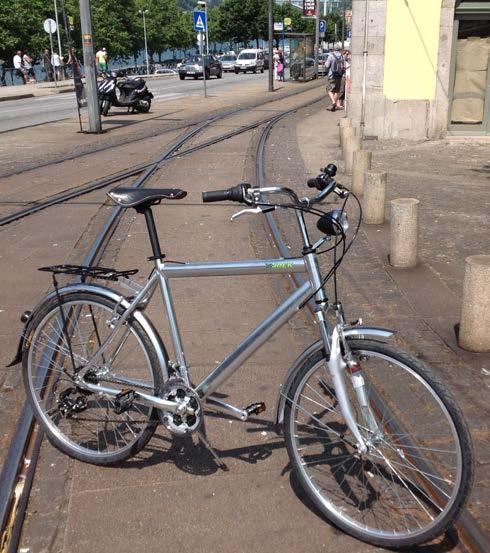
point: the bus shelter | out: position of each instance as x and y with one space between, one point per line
299 53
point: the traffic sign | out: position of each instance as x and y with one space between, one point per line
323 25
50 26
200 22
279 26
287 21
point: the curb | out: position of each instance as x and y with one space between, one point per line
16 97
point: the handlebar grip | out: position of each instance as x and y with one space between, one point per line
234 194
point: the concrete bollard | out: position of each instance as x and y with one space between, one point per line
345 122
474 332
404 232
346 133
352 143
361 165
373 201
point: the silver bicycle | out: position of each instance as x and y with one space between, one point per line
375 438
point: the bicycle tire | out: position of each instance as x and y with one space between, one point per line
117 437
403 462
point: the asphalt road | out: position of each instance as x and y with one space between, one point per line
16 114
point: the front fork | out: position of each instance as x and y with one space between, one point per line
338 363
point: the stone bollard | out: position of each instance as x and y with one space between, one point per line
474 332
373 201
352 143
361 165
346 133
404 232
345 122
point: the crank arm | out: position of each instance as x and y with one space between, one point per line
145 399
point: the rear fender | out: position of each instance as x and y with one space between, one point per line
355 333
112 295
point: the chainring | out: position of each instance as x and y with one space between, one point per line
183 423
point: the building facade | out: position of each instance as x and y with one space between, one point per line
420 68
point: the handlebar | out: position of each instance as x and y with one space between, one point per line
245 194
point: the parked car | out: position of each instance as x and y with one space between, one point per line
165 71
250 60
228 62
322 60
303 69
192 67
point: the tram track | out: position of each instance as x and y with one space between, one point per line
20 464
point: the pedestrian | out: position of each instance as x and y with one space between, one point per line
335 69
47 65
28 66
56 63
2 73
280 65
19 66
102 58
345 82
275 60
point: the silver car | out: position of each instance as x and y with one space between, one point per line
228 62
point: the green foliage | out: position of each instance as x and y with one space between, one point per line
118 25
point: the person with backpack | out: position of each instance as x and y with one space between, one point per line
335 69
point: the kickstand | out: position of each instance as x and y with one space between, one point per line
217 458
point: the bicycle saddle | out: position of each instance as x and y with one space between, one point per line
144 197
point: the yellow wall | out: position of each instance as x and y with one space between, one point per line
411 45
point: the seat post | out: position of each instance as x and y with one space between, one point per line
152 233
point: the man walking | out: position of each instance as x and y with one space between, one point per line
19 66
48 66
56 63
101 56
335 68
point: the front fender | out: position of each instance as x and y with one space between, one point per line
354 332
112 295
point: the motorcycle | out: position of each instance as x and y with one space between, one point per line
131 93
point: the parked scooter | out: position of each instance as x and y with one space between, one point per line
130 93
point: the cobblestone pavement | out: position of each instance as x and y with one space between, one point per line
424 303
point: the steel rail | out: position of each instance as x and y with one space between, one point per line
112 179
472 537
19 467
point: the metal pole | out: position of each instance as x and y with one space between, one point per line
207 25
52 64
201 51
146 43
317 34
58 30
89 63
271 45
343 23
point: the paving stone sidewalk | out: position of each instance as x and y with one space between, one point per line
451 180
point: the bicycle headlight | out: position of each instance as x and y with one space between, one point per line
332 222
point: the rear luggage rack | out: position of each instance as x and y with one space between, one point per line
89 272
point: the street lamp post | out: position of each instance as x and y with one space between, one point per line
203 3
143 13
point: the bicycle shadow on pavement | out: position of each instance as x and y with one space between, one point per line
190 455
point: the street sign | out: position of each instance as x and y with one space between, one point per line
323 26
287 21
309 7
50 26
200 22
279 26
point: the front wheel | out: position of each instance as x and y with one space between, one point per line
106 106
219 75
84 424
144 106
414 480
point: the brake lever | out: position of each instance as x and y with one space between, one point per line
252 211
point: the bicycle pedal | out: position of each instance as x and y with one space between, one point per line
255 408
124 401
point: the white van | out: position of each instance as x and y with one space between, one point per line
250 60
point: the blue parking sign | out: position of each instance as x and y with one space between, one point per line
200 22
322 25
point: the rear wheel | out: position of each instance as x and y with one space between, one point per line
414 480
181 77
81 423
236 71
261 69
144 107
219 75
254 70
